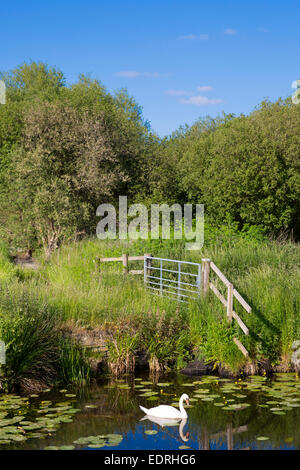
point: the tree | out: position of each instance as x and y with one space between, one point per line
64 167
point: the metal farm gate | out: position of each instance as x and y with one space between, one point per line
177 279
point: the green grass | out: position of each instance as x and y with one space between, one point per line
265 272
7 270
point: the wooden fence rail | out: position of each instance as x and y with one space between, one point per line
207 264
125 259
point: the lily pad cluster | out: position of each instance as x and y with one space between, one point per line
22 419
96 442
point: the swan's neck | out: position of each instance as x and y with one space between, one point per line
182 410
181 426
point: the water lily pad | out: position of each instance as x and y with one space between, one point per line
262 438
151 432
67 447
82 440
124 387
148 394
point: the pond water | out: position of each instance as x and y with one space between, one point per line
254 413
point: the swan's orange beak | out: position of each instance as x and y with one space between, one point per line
187 401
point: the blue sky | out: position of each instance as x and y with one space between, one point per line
180 59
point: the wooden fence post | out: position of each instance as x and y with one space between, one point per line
148 264
229 302
205 275
97 264
229 433
125 263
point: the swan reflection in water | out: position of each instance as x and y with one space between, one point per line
166 422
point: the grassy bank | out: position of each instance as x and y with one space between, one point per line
69 290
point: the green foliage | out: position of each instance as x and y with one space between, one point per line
74 366
246 166
212 335
63 151
164 335
122 349
28 329
7 270
37 355
264 272
66 149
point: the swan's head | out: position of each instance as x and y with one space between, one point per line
185 397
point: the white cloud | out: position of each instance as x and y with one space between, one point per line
191 37
128 74
176 92
200 101
229 32
205 88
188 36
135 74
151 74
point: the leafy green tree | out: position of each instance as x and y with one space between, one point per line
69 150
64 167
248 167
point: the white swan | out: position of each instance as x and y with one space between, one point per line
166 411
